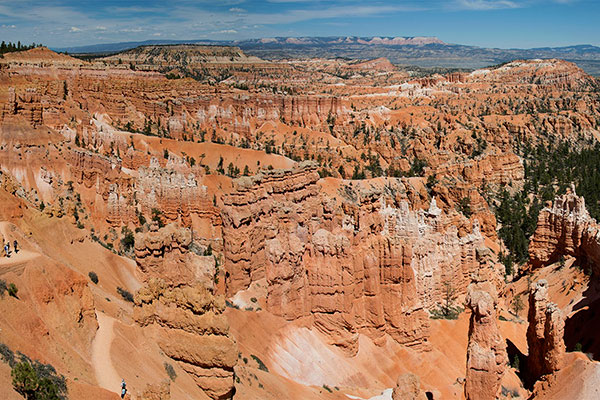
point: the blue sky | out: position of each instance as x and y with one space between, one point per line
488 23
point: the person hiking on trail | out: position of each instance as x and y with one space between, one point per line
15 246
123 388
7 249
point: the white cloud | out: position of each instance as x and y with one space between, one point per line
228 31
487 4
74 29
237 10
131 30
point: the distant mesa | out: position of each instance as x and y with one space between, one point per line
401 41
39 54
421 51
388 41
188 54
378 64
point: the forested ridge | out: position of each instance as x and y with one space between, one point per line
549 170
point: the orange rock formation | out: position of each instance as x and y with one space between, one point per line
544 333
486 354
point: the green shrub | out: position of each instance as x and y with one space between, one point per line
127 296
12 290
231 305
157 217
170 371
7 355
516 363
128 240
93 277
37 381
464 207
327 388
261 365
24 379
141 218
3 287
443 312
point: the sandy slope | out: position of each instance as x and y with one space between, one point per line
578 380
106 374
21 256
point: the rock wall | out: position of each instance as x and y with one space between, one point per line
486 352
178 302
353 266
164 253
565 228
176 193
254 213
192 330
408 387
26 104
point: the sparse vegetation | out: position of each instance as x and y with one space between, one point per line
447 310
93 277
127 296
516 362
7 355
157 216
231 305
13 290
170 371
261 365
517 305
33 379
464 207
128 240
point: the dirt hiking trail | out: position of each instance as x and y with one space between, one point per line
106 374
